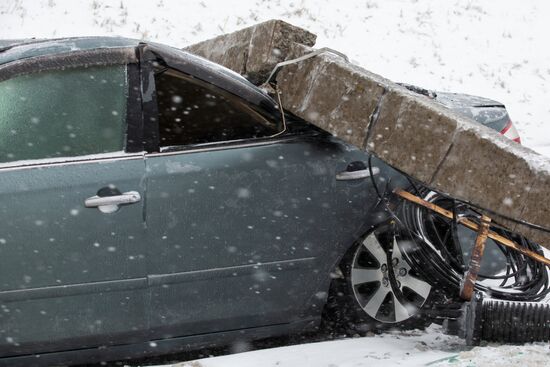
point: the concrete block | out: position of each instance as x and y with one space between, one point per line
297 80
536 208
487 169
411 132
446 151
254 51
332 94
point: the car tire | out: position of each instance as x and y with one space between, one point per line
368 295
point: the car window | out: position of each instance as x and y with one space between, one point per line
193 112
63 113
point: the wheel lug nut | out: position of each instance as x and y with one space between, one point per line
384 268
402 272
385 282
395 261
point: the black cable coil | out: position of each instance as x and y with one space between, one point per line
431 245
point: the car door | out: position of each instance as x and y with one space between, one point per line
239 216
72 262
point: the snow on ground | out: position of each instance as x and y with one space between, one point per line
405 348
496 49
413 348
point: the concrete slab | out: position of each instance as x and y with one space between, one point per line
448 152
349 101
254 51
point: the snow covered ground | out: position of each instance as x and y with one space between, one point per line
414 348
496 49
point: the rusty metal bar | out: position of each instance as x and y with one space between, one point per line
469 282
472 225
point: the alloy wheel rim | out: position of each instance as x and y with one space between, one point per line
384 284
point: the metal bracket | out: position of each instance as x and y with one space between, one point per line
469 282
302 58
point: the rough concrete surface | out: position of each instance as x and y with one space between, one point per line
448 152
349 101
410 132
254 51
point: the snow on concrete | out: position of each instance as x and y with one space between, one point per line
496 49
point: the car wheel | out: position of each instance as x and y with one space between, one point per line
376 288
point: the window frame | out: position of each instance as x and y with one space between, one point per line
149 56
132 141
239 104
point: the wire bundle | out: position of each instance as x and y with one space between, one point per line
431 245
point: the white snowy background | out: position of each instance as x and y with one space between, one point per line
496 49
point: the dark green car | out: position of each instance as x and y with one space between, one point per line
152 202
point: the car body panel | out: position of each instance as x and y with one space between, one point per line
64 268
265 219
157 347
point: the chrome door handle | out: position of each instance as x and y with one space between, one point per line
109 204
356 175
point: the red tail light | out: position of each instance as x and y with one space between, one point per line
510 132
